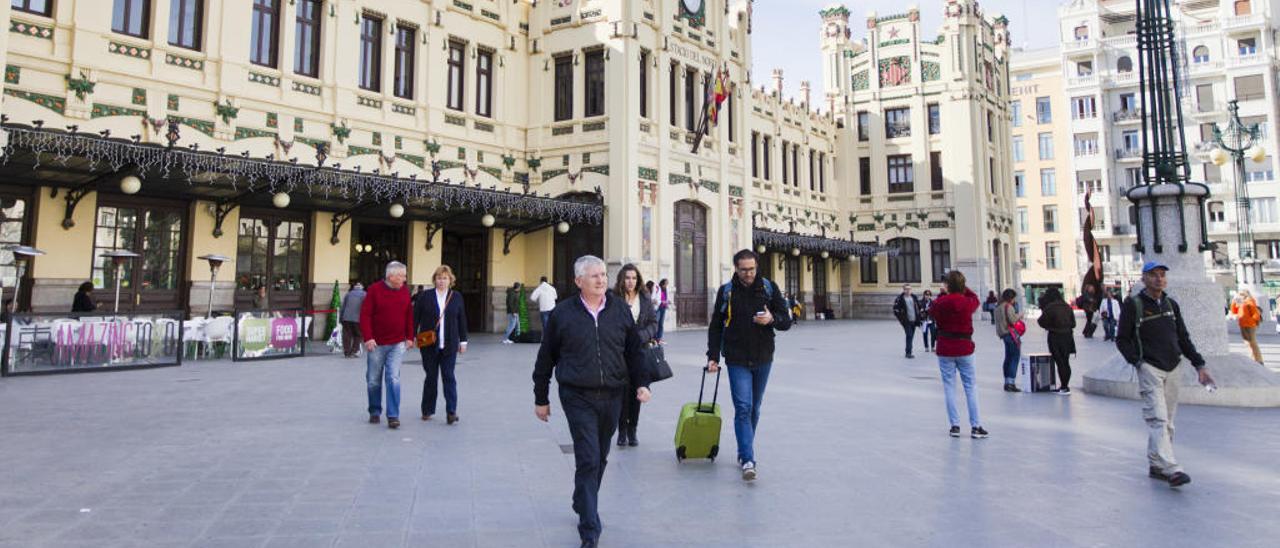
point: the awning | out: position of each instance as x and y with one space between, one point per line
814 245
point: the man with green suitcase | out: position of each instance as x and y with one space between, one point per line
748 310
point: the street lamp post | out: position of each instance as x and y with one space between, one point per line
1236 142
215 261
22 255
118 258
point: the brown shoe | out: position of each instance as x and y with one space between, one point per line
426 417
393 423
451 418
374 419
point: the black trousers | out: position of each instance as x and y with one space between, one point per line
439 365
592 416
1061 354
630 416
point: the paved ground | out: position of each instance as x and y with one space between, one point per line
853 452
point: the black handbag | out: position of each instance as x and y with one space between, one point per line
655 360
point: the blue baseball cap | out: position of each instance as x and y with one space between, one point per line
1152 265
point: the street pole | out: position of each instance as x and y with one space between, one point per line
1237 141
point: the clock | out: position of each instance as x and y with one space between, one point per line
692 6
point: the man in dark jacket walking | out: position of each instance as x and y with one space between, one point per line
593 348
748 310
1153 338
906 308
513 312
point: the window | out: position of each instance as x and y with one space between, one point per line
1249 88
264 34
864 176
1131 142
38 7
1212 173
671 97
484 83
1084 68
897 122
1089 181
155 233
728 103
1048 182
1051 218
1018 152
1044 112
370 53
405 54
935 170
1051 255
1217 212
1015 112
1104 253
1019 184
185 21
594 90
991 126
941 254
1046 146
1124 64
1023 251
1081 33
905 267
1200 55
270 252
991 173
306 54
864 126
1083 108
1204 98
564 87
457 78
755 153
900 177
644 83
1258 171
813 180
935 119
822 172
786 174
795 165
1247 46
1128 102
1024 225
1086 144
867 269
691 102
768 152
131 17
1243 7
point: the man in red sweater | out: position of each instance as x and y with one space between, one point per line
953 314
386 323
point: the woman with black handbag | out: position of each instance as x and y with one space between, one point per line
630 287
442 335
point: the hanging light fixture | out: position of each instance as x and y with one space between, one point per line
1218 157
396 211
130 184
825 254
795 252
761 248
280 200
1257 153
487 220
562 228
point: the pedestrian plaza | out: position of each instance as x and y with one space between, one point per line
852 451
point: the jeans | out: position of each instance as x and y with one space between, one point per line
910 329
439 363
929 332
747 387
383 368
546 318
1109 329
1159 390
1012 354
592 417
662 317
948 367
513 325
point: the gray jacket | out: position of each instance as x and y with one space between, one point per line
350 311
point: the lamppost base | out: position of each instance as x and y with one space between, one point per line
1241 382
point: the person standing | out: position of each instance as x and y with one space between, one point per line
545 296
513 312
592 347
1057 318
1006 316
747 312
954 314
1109 311
1153 338
664 302
1245 310
441 310
906 308
989 306
260 300
928 332
386 323
349 314
83 301
629 286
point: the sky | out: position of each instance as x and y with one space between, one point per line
785 32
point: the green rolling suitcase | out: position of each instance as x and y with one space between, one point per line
698 430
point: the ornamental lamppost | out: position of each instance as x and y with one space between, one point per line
1236 142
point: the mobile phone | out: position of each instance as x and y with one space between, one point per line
760 313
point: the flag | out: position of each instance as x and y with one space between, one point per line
1093 276
717 90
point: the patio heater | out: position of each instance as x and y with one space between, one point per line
215 262
22 254
118 258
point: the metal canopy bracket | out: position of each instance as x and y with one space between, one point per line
222 208
511 233
75 195
338 220
432 229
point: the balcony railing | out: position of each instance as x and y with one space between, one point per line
1079 44
1242 21
1128 153
1124 78
1121 40
1246 59
1083 80
1086 150
1127 115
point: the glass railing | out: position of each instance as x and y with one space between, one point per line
263 334
64 343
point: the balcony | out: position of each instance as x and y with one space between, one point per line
1203 28
1122 230
1082 81
1209 108
1086 148
1124 79
1246 59
1237 22
1134 153
1121 40
1130 115
1206 67
1079 45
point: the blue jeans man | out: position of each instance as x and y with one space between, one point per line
546 318
948 366
513 325
1012 354
383 369
746 384
910 329
662 316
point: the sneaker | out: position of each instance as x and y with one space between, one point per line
955 431
912 356
978 433
1064 391
1156 473
748 471
508 341
1178 479
393 423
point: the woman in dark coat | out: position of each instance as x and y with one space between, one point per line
1057 317
83 301
439 359
630 287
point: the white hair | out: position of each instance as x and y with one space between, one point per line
584 262
396 266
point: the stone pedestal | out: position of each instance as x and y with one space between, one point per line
1169 218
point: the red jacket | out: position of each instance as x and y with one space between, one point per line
386 315
953 313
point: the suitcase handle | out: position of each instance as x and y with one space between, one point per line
714 394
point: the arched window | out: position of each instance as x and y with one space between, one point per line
1124 64
905 267
1200 54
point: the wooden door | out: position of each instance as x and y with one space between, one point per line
467 254
819 285
154 281
271 252
691 263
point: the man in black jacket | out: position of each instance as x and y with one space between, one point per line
1154 338
592 346
906 308
747 311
